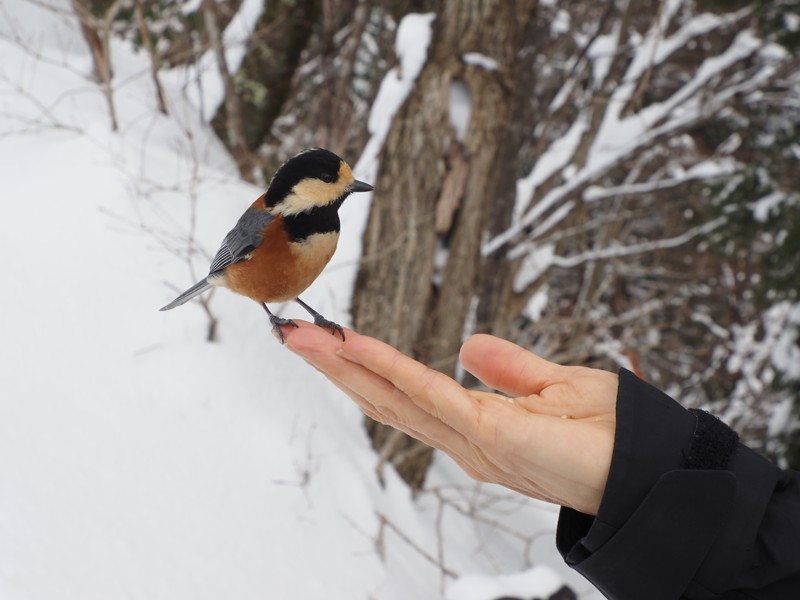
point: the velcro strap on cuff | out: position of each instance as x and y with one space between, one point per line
713 443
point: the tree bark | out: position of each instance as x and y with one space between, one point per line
416 284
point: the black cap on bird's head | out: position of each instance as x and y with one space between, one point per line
312 179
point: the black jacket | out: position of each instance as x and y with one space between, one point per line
688 512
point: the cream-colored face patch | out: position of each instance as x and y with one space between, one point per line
310 193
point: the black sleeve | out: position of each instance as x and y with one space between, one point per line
688 512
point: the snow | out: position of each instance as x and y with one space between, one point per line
774 52
707 170
713 326
601 53
536 262
781 418
477 59
555 159
537 304
766 205
140 461
756 354
460 108
411 46
560 24
783 320
538 582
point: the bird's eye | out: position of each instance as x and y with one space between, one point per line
328 177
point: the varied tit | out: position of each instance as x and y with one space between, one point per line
284 240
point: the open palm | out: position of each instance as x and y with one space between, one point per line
550 437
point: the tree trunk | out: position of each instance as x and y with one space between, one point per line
419 277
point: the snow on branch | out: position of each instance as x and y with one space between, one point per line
708 169
593 147
537 262
650 246
411 46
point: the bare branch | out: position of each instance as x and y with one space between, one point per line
148 44
233 111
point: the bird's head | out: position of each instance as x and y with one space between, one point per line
313 179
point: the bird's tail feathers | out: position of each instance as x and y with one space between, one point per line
197 288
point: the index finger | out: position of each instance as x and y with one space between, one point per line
430 390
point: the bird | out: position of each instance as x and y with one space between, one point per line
283 241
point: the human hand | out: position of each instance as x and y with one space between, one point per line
550 439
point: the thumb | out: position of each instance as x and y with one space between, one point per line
507 367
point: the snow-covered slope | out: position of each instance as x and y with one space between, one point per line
138 460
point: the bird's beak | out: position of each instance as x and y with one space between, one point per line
360 186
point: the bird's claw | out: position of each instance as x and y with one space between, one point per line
335 328
276 326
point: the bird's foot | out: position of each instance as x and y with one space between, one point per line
276 326
321 321
335 328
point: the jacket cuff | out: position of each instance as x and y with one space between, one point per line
655 555
663 523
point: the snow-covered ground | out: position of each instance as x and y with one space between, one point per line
138 460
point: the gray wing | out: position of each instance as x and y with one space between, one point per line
241 240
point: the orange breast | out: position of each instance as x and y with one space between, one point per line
278 271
